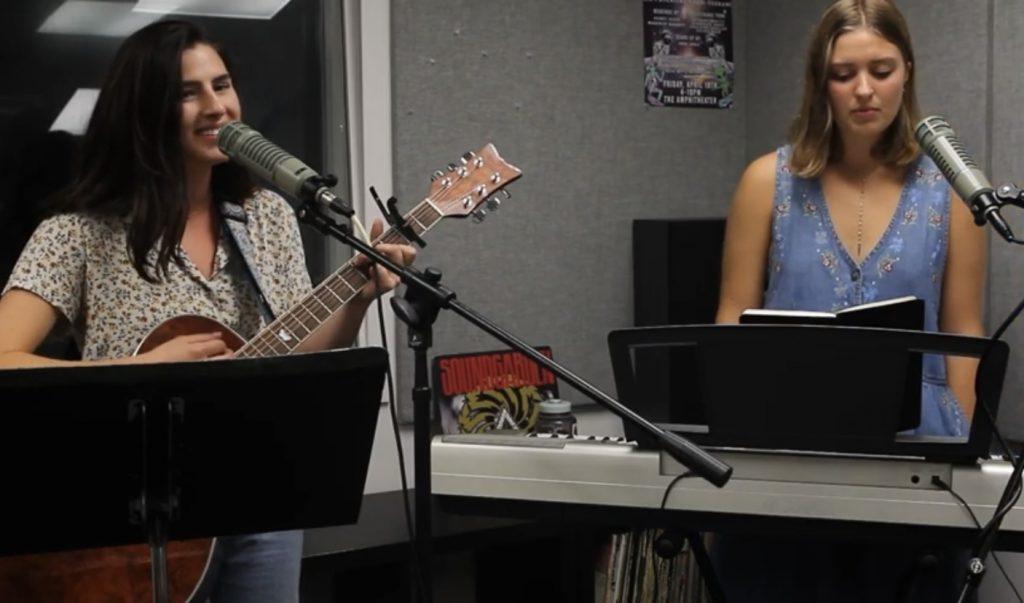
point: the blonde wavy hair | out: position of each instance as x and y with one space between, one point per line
813 134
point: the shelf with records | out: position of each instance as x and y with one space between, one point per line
629 571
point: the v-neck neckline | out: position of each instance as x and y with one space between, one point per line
883 240
219 261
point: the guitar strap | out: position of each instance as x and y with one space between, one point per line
235 220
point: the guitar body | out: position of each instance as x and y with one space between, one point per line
115 574
108 575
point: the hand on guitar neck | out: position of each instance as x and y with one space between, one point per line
380 279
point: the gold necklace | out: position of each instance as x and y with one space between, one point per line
860 217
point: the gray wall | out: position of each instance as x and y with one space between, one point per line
557 90
557 86
1006 126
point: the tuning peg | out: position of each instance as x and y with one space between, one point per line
478 214
507 194
493 203
437 174
451 167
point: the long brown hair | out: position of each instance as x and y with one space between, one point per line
131 160
814 137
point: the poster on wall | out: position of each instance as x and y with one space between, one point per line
688 53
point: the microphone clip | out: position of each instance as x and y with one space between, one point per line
395 219
318 188
1010 194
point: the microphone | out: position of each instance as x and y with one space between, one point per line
939 141
251 150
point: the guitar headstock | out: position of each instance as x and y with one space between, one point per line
464 186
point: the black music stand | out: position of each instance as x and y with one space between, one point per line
815 388
113 455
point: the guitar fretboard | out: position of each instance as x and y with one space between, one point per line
289 330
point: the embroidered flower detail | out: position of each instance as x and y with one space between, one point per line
910 216
953 415
828 260
820 237
783 208
896 245
886 264
810 209
934 218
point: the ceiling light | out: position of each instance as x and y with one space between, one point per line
238 9
96 18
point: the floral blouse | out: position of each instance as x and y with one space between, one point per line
79 264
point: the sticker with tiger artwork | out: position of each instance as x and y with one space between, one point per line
484 391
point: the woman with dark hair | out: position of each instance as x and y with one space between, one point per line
142 238
848 213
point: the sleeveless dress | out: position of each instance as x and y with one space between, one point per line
810 269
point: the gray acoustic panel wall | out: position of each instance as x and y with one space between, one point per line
557 86
779 31
1006 272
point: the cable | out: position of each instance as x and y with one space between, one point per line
389 379
1011 494
415 560
672 484
938 481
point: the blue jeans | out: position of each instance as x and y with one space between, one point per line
254 568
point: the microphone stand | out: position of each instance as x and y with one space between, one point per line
1006 194
425 296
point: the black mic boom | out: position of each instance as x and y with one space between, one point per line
939 141
251 150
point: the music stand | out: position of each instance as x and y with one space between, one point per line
105 456
815 388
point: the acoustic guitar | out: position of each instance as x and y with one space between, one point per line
122 573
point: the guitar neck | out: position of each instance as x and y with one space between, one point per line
288 331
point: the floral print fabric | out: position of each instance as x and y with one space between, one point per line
79 264
810 269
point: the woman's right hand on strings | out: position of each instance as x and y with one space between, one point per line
202 346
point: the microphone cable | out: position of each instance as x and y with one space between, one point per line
941 483
1012 490
414 552
424 596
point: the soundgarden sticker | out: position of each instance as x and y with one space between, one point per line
688 53
483 391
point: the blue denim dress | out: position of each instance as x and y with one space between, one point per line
810 269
